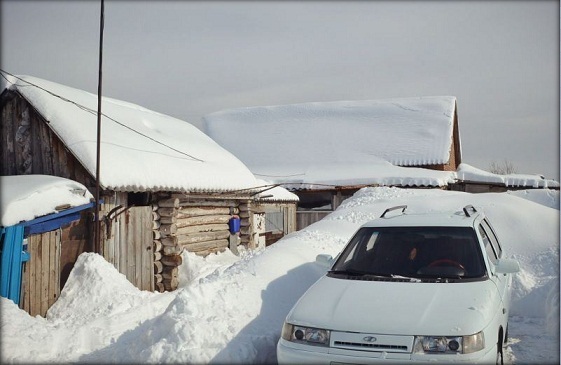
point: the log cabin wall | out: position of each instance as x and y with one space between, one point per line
29 146
198 224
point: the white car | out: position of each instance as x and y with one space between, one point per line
410 288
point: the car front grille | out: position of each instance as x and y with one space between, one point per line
370 346
374 342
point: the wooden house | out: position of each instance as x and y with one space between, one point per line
324 152
165 186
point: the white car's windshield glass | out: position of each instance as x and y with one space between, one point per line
418 252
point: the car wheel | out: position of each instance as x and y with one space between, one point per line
500 357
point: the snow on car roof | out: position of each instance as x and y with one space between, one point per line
445 219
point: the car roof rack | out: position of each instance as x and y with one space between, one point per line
469 206
402 207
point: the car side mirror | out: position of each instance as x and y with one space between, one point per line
324 260
507 266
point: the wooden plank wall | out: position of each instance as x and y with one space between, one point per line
305 218
128 244
29 146
41 275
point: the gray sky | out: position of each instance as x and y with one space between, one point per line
188 58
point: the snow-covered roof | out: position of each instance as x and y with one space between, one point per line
287 142
26 197
469 173
272 193
141 150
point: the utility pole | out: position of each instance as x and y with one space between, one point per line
97 233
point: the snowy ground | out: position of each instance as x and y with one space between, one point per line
230 309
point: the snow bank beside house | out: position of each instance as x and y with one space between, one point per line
233 308
26 197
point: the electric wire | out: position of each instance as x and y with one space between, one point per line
94 112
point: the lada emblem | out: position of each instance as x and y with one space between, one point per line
369 339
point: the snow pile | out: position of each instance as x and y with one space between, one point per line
230 309
23 198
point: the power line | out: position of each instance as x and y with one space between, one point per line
94 112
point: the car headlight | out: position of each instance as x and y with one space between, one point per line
449 345
306 335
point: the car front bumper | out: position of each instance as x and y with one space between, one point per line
293 353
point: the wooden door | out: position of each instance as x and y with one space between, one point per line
129 247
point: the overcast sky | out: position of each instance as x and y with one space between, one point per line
187 59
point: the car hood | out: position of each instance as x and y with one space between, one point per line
400 308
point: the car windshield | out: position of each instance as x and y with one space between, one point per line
412 252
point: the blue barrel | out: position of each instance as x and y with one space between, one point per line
234 224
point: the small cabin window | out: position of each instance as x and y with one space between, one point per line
138 199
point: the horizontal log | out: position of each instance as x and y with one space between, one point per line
155 207
201 237
169 203
159 286
194 247
155 216
167 212
158 267
157 245
155 224
168 220
244 215
170 272
171 284
156 234
190 201
170 241
168 229
158 278
196 211
202 228
172 250
205 253
176 241
157 256
203 219
172 260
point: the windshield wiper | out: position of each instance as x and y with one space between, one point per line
347 272
410 278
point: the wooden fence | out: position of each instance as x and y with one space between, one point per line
305 218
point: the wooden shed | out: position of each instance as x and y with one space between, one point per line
274 210
166 186
44 229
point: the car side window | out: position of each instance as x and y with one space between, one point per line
491 251
493 237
